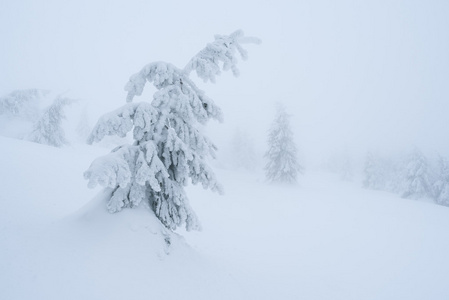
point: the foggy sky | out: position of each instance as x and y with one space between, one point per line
355 75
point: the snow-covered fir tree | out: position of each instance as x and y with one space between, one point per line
441 185
22 104
282 163
169 147
417 182
48 129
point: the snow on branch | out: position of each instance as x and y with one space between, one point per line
22 104
111 170
159 73
139 116
220 55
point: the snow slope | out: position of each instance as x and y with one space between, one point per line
57 244
322 239
325 239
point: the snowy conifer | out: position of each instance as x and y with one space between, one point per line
48 129
441 186
22 104
417 183
282 164
169 147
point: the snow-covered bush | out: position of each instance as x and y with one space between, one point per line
48 129
282 164
22 104
19 110
22 116
169 147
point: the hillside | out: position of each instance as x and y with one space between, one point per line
322 239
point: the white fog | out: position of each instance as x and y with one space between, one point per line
359 80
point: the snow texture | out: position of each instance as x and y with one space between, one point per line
327 239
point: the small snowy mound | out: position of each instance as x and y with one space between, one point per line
131 231
58 244
135 227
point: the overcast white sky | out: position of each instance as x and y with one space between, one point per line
354 74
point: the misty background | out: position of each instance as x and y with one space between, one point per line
354 75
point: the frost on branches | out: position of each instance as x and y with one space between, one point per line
48 129
169 147
22 104
282 165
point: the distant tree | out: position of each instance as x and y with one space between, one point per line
48 129
243 153
22 104
441 185
169 148
282 163
417 183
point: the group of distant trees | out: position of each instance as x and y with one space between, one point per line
415 177
45 124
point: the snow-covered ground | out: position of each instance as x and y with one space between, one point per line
322 239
